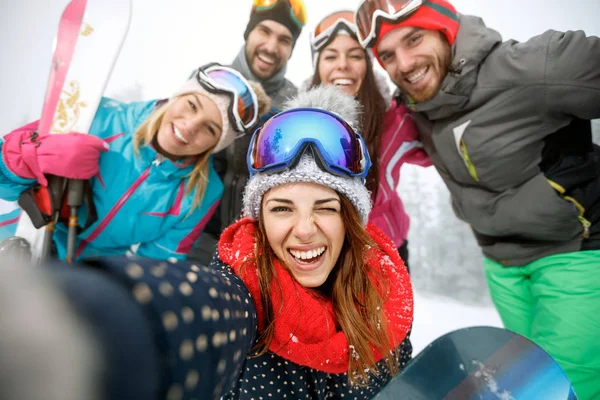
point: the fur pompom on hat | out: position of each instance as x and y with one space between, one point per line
333 100
223 102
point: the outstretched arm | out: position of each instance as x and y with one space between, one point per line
123 328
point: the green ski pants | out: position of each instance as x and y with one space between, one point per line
555 301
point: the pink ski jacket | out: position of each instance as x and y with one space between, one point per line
399 144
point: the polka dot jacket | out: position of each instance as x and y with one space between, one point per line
203 320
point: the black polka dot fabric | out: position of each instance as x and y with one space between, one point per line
272 377
203 320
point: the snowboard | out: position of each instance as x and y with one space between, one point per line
89 39
480 363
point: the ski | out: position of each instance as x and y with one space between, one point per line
89 39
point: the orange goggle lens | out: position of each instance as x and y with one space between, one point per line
244 108
297 7
331 19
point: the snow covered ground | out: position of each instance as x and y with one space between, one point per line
435 316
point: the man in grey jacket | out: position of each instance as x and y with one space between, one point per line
270 36
507 125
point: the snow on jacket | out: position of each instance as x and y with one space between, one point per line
487 128
140 199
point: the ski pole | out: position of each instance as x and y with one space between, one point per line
47 245
74 200
56 189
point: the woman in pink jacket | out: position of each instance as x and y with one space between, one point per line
387 126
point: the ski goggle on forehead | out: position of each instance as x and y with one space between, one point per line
281 141
371 13
219 79
297 9
330 26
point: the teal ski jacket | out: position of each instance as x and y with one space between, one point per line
140 199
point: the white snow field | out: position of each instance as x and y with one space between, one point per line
435 316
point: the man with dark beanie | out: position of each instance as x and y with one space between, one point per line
507 126
270 37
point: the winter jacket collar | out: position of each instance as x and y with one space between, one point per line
306 329
161 165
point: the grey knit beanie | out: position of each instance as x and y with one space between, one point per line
333 100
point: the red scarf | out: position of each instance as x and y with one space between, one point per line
305 329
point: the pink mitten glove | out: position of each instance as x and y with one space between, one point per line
69 155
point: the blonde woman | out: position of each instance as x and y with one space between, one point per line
152 181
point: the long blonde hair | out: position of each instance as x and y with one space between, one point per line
146 133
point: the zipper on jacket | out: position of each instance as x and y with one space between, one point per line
158 160
586 226
584 222
456 69
467 160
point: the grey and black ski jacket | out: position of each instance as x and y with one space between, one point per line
509 133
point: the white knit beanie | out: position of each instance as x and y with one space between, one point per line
333 100
223 102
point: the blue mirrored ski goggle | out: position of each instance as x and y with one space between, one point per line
280 142
244 109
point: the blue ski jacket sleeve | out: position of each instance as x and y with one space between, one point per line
141 198
11 185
